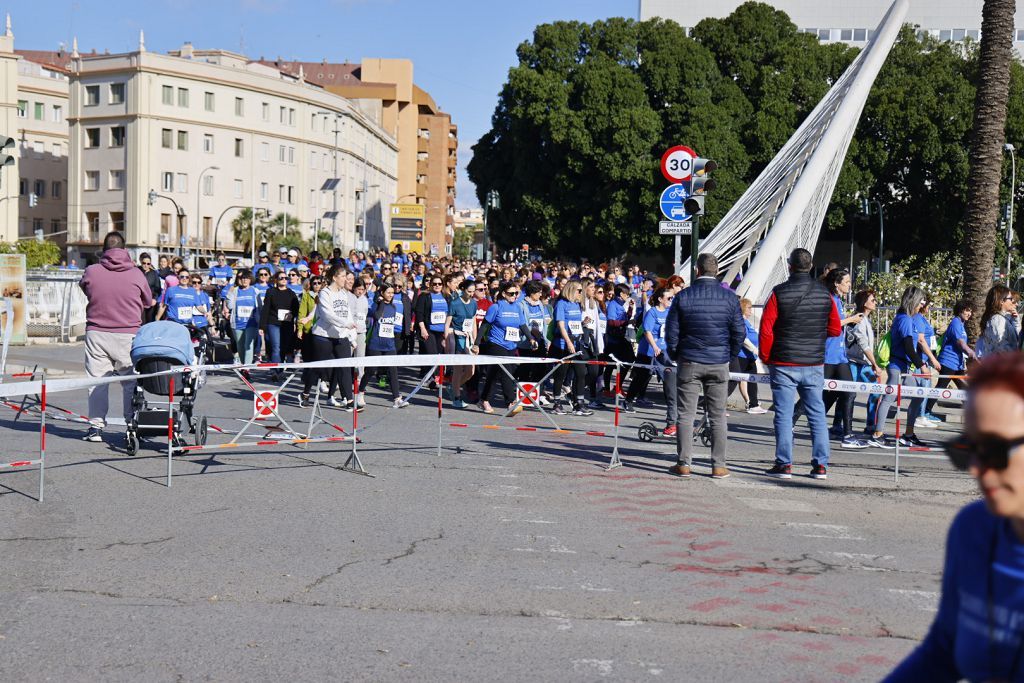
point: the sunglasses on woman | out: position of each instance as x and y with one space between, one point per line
990 452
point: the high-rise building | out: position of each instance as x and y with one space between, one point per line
842 20
209 133
428 141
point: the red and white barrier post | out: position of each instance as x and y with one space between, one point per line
170 428
615 461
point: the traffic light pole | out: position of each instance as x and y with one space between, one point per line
694 247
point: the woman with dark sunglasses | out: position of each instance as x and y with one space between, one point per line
307 318
978 633
504 327
277 322
431 314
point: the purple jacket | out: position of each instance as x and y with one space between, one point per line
117 293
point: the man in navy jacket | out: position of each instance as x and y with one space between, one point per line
704 331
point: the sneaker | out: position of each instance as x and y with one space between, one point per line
680 470
872 442
324 387
401 403
595 404
335 402
515 411
756 410
912 441
852 442
780 471
927 422
95 435
303 400
719 472
559 408
486 409
819 472
889 444
627 407
582 410
544 402
643 403
933 418
669 431
360 401
458 404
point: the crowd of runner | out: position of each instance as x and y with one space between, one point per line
290 308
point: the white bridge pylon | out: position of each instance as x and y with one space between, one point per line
784 208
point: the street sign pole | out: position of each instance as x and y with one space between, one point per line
678 254
694 247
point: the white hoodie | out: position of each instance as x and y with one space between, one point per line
335 315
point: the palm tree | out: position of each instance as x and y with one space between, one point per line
241 227
986 151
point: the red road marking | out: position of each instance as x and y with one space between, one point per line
713 605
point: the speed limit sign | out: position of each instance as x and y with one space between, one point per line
677 163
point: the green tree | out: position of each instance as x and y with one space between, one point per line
462 242
241 228
37 254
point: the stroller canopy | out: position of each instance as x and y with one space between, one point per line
163 339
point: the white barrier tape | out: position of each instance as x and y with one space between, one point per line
447 360
867 388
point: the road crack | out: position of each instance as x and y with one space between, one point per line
412 547
138 543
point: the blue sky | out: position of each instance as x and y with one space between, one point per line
461 49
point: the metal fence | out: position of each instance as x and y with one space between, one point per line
55 305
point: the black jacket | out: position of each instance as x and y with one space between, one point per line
704 324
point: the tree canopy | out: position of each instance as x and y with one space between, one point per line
587 111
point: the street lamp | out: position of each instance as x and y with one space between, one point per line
199 196
151 200
334 189
362 235
1013 189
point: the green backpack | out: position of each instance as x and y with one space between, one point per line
883 349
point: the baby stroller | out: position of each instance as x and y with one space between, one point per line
161 346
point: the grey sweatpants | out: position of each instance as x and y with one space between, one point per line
714 379
108 354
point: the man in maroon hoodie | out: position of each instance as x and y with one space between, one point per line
118 294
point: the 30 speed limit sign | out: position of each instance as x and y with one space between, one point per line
677 163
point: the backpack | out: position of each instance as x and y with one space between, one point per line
883 349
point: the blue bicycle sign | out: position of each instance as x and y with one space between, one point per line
672 202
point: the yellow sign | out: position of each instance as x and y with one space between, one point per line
407 227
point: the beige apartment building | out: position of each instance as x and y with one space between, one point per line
211 132
428 140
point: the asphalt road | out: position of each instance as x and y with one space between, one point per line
512 554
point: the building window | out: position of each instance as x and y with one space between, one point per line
167 181
37 226
264 151
181 182
860 35
239 147
280 193
280 153
39 188
117 93
239 106
57 113
291 194
166 138
92 95
291 156
208 185
824 34
55 189
167 94
58 151
22 187
266 111
239 188
959 34
945 35
117 136
291 117
165 224
312 159
92 219
23 104
975 35
846 34
282 114
92 137
40 111
92 181
208 102
264 191
313 122
208 143
117 220
55 226
116 180
182 97
38 149
183 140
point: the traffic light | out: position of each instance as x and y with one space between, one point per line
865 207
700 182
5 144
33 200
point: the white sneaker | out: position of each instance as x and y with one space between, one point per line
335 402
400 403
360 401
756 410
324 387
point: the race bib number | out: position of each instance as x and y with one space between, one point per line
661 332
512 334
244 312
437 317
398 319
575 327
386 331
602 326
283 316
468 326
185 312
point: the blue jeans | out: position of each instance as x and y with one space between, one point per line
245 343
787 383
865 373
280 343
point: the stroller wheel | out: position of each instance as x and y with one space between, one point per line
646 432
705 438
201 431
131 443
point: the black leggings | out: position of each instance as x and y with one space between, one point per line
746 366
392 373
843 399
508 387
433 344
622 350
309 375
532 372
327 349
944 382
579 372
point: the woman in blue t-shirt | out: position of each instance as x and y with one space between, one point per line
904 359
652 345
462 326
504 326
978 632
384 325
955 350
568 341
243 311
746 361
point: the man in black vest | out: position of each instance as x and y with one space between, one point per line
703 332
798 317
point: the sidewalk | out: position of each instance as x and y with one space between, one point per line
57 360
